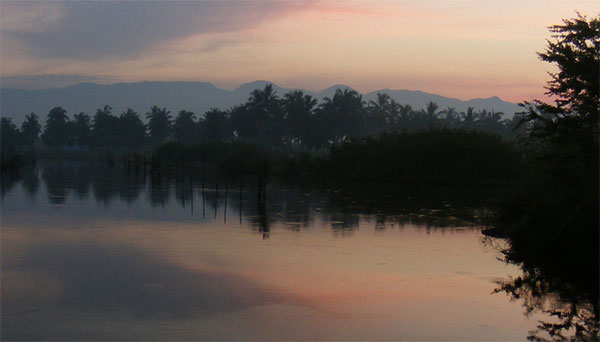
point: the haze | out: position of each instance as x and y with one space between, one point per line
461 49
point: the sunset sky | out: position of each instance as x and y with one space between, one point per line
461 48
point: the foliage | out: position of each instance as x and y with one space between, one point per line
552 223
81 129
105 126
9 134
294 123
439 155
573 118
184 128
56 127
132 131
215 126
30 129
159 125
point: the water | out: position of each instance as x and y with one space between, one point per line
90 252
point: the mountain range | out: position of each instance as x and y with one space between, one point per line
197 97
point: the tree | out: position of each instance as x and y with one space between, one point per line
265 108
82 129
573 117
378 114
430 114
184 128
298 110
469 117
9 135
30 129
553 220
105 127
56 130
159 124
215 126
450 117
343 115
132 129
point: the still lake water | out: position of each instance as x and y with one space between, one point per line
90 252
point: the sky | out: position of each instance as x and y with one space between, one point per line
456 48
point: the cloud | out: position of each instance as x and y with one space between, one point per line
100 29
45 81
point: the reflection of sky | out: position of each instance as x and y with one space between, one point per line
86 270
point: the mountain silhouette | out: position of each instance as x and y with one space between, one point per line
197 97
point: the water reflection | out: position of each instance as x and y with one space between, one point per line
84 240
105 278
569 316
295 207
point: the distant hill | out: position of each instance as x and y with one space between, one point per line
197 97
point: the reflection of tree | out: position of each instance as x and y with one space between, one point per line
108 183
54 176
31 181
82 182
8 179
572 314
434 207
159 190
344 223
263 219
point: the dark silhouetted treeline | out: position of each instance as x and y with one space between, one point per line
294 122
431 156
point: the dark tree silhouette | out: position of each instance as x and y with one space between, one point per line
299 110
105 128
10 135
30 129
159 125
450 117
379 114
215 126
56 129
554 219
343 115
469 117
265 108
429 115
132 130
184 128
573 118
81 129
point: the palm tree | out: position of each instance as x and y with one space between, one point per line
450 116
215 126
133 130
243 125
428 117
30 129
394 115
299 109
344 114
469 117
184 128
82 128
379 115
405 116
9 135
265 109
431 111
105 127
55 131
159 124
